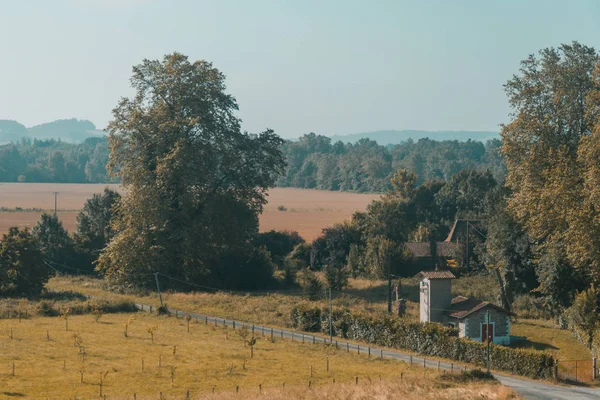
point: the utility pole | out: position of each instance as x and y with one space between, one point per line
488 340
467 261
55 202
158 288
389 284
330 318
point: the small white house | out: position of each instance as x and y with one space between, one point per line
475 319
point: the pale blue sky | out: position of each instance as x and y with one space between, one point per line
331 67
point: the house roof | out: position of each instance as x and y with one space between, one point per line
423 249
462 307
436 275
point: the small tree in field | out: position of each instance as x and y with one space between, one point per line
65 313
151 330
129 322
97 312
251 342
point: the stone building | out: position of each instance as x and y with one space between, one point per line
469 315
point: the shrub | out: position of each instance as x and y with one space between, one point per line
306 318
162 309
278 243
472 375
281 208
528 306
427 339
311 284
44 308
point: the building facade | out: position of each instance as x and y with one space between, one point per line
475 319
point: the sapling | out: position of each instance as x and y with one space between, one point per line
151 330
96 312
172 372
188 318
251 342
129 322
64 314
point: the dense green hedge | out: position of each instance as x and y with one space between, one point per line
428 339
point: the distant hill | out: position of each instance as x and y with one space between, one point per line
395 137
67 130
11 131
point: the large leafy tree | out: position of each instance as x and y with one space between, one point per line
195 183
551 148
22 269
508 250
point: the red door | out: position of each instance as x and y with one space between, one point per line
487 332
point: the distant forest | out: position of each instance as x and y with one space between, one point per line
54 161
365 166
313 161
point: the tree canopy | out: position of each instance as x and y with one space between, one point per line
551 148
195 182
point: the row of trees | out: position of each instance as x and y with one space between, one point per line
54 161
312 162
316 163
29 257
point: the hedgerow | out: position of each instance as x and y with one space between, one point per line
427 339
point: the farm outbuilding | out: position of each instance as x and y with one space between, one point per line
475 319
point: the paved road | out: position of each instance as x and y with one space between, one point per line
528 389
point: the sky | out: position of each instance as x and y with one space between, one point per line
323 66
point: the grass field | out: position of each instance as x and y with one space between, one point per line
308 211
369 296
51 362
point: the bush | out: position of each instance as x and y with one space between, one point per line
44 308
278 243
311 284
472 375
528 306
162 310
427 339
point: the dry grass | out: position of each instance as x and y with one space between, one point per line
204 358
260 308
544 335
274 309
309 211
408 389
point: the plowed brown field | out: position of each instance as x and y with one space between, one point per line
308 211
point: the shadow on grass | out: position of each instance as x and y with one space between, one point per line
524 343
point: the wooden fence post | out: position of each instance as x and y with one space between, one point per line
594 371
